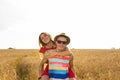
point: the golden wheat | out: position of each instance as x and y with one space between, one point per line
18 64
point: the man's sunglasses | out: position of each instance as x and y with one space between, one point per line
63 42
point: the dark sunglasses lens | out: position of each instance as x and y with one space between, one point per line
63 42
59 42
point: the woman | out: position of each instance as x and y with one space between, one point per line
47 43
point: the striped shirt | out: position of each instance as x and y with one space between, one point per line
58 68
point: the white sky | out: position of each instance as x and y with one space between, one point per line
89 23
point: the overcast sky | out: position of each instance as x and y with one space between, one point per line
89 23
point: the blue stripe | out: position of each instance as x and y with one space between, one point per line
58 71
58 60
58 76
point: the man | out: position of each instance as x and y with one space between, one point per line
58 65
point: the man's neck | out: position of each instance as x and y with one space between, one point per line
60 50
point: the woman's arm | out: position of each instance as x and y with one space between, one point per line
72 65
41 66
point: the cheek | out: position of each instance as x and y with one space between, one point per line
44 41
48 40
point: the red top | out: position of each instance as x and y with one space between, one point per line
43 49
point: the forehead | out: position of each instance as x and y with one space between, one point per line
43 34
61 38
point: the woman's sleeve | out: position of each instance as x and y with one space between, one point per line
42 50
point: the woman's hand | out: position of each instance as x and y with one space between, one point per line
52 53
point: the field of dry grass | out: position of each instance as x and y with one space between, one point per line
90 64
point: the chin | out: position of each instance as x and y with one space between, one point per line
61 49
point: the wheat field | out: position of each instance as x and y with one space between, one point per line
90 64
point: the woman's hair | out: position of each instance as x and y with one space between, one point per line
41 43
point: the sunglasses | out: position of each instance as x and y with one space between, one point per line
63 42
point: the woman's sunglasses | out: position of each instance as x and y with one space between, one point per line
63 42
